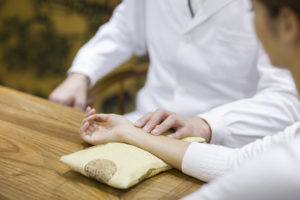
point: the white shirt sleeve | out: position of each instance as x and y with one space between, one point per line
207 161
274 175
274 106
115 42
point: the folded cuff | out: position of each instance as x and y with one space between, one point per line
79 70
217 125
206 161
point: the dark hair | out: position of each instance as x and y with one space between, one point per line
274 6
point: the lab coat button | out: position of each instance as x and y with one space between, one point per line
188 38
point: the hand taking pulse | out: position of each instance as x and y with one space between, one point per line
161 121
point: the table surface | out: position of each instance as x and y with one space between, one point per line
35 133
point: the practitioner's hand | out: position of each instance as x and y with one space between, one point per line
72 92
160 121
116 128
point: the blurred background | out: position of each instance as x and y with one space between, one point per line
40 38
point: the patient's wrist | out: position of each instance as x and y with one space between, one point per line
135 136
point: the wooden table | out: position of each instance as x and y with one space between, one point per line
35 133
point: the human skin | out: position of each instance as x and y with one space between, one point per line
160 121
72 92
118 129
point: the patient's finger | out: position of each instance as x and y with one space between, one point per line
87 109
84 121
98 118
84 127
90 112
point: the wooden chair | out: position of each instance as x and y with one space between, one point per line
117 82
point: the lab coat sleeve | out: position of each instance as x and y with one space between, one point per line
207 161
274 175
115 42
274 106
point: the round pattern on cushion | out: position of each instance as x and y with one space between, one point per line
101 169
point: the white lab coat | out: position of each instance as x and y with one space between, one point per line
210 65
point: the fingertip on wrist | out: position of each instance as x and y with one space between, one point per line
138 124
147 128
156 131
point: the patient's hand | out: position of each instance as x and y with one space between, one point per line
114 129
160 121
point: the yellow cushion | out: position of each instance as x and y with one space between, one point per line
119 165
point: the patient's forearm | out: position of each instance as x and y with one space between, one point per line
169 150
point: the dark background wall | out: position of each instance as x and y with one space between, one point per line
39 39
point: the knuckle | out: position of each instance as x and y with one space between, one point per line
158 110
172 118
148 115
151 124
176 118
176 115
